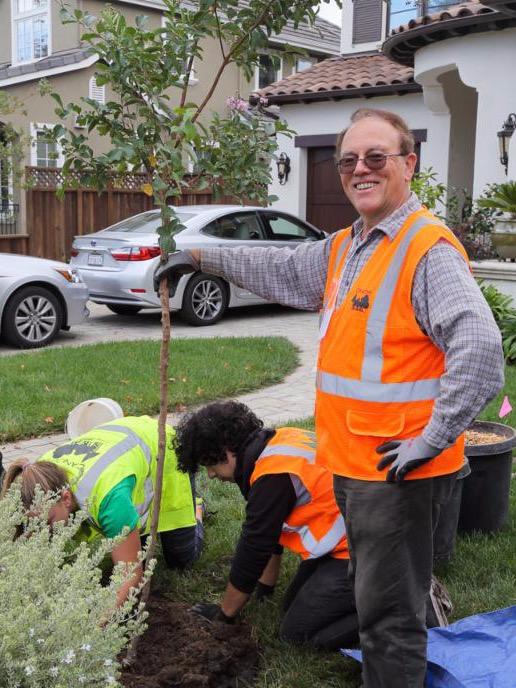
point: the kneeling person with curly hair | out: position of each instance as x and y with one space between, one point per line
290 503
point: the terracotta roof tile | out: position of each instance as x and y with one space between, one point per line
465 9
344 73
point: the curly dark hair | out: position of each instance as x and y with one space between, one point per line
203 436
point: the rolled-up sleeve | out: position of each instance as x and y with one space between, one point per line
451 309
292 277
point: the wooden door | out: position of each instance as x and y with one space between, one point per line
326 205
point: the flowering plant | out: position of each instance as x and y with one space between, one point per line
59 627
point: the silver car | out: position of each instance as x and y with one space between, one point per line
118 263
38 298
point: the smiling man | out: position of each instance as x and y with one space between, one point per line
409 355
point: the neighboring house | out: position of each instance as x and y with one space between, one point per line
35 44
450 74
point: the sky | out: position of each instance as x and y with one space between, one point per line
330 12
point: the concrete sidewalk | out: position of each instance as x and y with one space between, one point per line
293 398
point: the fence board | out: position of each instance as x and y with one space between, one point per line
52 223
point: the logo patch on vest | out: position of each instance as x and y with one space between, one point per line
360 301
88 448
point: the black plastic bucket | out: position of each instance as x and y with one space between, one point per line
446 530
485 493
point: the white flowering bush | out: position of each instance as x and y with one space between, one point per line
59 626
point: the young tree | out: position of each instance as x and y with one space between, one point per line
152 124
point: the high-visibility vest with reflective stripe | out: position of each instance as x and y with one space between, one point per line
315 526
98 460
378 374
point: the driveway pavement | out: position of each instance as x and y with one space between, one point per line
294 398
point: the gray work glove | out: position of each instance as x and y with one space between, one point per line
404 455
178 264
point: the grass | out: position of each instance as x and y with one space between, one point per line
39 389
479 578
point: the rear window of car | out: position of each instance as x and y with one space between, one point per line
145 223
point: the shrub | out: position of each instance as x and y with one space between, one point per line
431 193
505 315
59 627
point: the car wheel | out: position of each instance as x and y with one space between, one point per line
120 309
205 300
32 318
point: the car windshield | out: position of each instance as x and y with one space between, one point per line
145 223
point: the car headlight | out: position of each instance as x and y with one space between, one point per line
70 275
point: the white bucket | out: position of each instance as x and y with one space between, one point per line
91 413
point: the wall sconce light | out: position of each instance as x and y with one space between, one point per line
504 138
283 163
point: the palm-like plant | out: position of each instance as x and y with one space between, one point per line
503 198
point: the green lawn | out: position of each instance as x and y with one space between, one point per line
39 389
480 578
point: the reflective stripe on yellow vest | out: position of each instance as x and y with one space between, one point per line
98 460
378 373
315 526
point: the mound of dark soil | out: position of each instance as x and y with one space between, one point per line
182 650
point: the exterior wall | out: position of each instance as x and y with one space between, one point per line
63 36
462 102
484 63
330 117
347 44
5 21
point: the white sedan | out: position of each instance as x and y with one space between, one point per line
38 297
118 263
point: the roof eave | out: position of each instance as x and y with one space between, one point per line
401 47
343 94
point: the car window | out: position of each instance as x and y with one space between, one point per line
287 229
241 226
145 222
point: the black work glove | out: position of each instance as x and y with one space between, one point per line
212 612
404 456
178 264
262 591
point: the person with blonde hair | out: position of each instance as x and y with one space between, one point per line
109 473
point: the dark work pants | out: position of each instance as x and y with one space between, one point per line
319 605
390 528
182 546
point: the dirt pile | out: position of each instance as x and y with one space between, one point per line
183 650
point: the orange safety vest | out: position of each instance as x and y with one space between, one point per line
315 526
378 374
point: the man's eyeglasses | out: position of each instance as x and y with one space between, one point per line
374 161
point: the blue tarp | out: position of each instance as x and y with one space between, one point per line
476 652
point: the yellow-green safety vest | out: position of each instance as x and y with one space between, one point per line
98 460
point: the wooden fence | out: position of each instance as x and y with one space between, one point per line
52 223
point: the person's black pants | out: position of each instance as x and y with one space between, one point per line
389 528
319 605
182 547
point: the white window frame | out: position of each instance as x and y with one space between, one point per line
35 127
17 17
279 71
95 92
312 61
194 79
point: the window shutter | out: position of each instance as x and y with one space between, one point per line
97 93
367 21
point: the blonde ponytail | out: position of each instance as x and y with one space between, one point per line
47 475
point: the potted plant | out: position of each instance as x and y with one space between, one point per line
503 201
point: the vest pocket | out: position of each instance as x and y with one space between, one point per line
369 424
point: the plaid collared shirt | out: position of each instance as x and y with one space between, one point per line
448 305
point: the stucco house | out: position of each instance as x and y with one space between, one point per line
35 44
449 73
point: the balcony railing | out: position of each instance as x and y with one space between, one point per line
9 215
